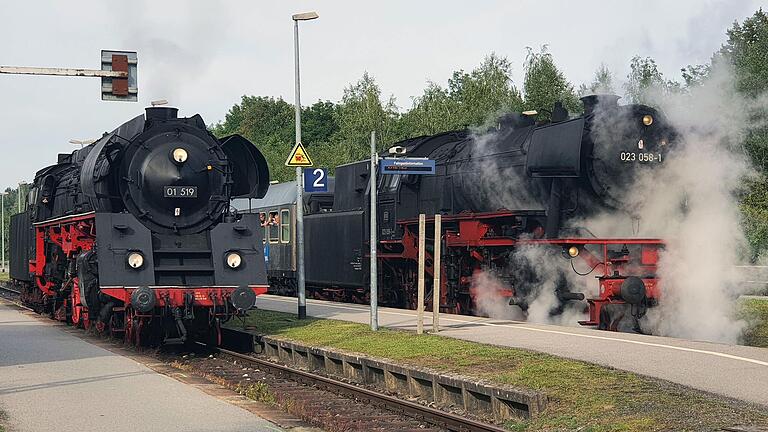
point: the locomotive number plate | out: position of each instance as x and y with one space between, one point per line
180 191
640 157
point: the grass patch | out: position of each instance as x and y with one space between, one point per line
755 313
3 420
582 396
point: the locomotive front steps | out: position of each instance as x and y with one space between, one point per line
447 391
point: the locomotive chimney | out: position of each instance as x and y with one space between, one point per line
161 113
606 100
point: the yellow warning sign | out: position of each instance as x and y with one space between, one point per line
298 157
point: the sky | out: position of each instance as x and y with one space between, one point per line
202 56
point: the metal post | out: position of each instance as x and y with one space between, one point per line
2 220
18 196
374 243
436 271
420 299
299 189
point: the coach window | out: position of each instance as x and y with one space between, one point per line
285 226
274 227
264 223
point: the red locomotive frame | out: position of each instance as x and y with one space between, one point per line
77 234
477 234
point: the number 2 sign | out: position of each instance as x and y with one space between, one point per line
315 180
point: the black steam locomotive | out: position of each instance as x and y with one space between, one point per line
134 233
499 192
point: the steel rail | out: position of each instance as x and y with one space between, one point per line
431 415
5 288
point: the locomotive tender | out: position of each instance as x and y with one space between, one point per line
134 234
519 186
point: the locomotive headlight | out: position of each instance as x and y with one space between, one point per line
573 251
647 119
135 260
234 260
180 155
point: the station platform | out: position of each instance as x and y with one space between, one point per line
51 380
735 371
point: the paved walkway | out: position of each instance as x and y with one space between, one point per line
730 370
54 381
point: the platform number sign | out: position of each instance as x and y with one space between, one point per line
315 180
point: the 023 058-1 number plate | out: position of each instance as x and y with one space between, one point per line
180 191
640 157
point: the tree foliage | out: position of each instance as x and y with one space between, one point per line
269 124
11 207
747 50
361 111
602 83
545 84
470 99
643 79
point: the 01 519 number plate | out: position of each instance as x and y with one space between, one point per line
180 191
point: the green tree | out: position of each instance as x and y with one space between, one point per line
644 77
694 75
602 83
270 124
318 123
434 111
747 50
361 111
545 84
471 99
11 206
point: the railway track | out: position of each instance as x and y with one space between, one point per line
355 407
331 404
9 293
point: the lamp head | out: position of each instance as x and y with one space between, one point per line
305 16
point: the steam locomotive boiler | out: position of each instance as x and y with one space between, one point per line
510 201
134 233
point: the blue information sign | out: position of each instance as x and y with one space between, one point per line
315 180
407 166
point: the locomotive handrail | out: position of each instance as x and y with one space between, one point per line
69 218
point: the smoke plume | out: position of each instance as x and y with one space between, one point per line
690 202
704 234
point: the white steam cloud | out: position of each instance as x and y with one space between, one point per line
690 202
704 236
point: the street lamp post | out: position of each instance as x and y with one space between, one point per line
19 195
301 288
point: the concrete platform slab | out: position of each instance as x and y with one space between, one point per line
52 380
